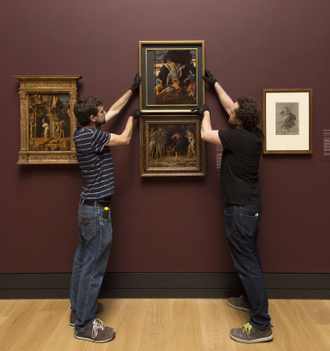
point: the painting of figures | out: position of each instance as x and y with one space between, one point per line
171 146
171 75
49 122
175 77
287 118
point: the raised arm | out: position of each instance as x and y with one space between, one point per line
122 101
227 103
125 137
207 133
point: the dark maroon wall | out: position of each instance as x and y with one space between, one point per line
165 224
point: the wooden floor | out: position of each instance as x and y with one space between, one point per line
163 325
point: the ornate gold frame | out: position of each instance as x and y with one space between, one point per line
42 86
147 87
166 162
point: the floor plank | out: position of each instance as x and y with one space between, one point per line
163 325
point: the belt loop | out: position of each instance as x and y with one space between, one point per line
95 205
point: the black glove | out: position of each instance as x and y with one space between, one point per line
200 110
136 83
136 113
209 77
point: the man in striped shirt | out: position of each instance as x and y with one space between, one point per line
94 220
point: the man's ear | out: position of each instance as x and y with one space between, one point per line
238 121
92 118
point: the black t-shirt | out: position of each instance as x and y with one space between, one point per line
239 184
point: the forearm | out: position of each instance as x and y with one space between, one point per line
118 105
125 137
226 101
207 133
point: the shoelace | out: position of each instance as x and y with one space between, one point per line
97 325
247 328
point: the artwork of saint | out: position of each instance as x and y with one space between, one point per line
49 122
175 77
287 118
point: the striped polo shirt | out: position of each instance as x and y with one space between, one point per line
95 162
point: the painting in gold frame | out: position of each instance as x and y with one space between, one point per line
171 145
47 121
171 73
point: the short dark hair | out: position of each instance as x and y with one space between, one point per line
249 112
85 107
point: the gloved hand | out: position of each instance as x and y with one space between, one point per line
136 113
136 83
200 110
209 77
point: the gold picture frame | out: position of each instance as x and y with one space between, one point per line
47 121
171 73
171 145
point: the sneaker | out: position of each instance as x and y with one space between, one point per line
239 303
97 332
249 334
73 314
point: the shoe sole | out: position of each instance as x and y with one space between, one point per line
237 307
93 340
244 341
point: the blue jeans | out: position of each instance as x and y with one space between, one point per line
90 262
242 228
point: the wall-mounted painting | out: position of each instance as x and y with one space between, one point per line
47 120
171 75
171 145
288 121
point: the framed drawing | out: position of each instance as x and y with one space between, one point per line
171 145
171 73
47 121
288 121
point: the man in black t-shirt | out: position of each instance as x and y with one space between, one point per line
240 189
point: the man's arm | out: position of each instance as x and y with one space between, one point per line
118 106
207 133
224 98
227 103
122 101
125 137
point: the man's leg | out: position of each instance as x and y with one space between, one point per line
95 238
242 225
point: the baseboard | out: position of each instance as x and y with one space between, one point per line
165 285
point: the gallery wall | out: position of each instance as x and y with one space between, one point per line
172 224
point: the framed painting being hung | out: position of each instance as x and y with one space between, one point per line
171 146
288 121
171 73
47 121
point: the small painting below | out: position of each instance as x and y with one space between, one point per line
171 146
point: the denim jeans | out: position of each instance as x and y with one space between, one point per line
90 262
242 228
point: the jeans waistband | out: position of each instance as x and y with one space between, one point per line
100 203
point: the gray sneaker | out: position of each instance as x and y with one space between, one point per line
73 314
250 335
239 303
97 332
